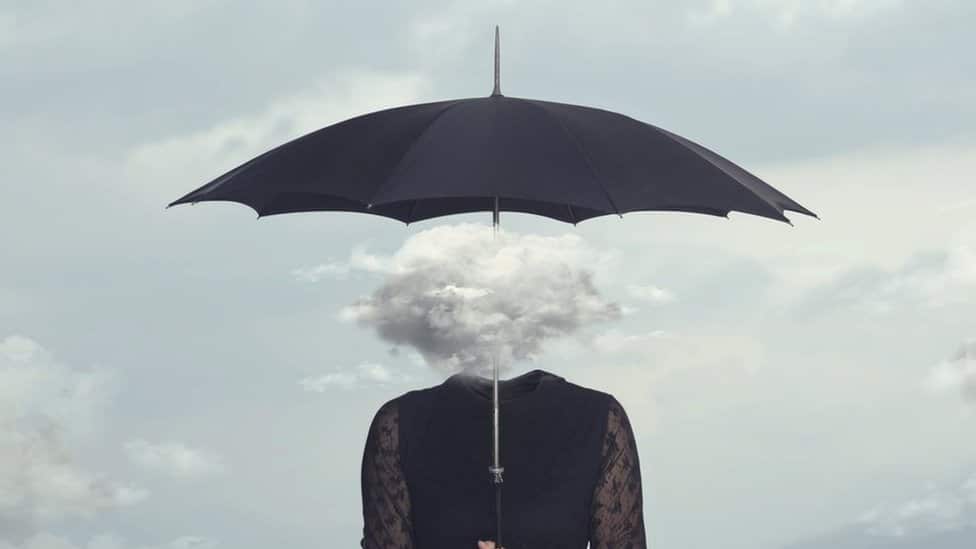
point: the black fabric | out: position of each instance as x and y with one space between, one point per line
572 473
561 161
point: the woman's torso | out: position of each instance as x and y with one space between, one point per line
551 434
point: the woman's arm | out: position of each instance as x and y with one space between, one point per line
617 513
386 503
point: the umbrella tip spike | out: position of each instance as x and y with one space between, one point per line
497 92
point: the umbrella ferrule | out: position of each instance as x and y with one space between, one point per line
497 92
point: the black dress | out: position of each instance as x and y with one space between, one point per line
571 476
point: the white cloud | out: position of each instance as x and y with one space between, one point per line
950 280
366 373
44 406
628 310
932 279
457 296
783 14
649 292
957 374
33 384
639 368
47 540
35 24
614 341
40 482
659 352
318 272
445 33
321 383
939 509
174 459
19 348
359 260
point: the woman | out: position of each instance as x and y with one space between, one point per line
572 474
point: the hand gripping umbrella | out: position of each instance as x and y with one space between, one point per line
496 153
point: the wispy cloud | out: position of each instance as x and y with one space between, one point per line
363 374
942 516
929 280
956 374
174 459
359 260
46 540
659 352
651 293
44 408
939 509
783 14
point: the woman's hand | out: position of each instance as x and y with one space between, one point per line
487 545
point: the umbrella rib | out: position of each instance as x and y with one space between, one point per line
406 153
221 179
671 137
579 149
410 212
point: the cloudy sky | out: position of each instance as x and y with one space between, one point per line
197 378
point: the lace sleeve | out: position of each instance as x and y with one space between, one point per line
387 520
617 513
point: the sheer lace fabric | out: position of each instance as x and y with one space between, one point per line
616 517
386 502
617 512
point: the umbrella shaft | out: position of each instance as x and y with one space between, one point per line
497 470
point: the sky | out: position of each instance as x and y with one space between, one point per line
194 377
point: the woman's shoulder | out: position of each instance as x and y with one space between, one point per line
404 407
595 396
411 397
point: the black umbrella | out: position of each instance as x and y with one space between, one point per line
495 153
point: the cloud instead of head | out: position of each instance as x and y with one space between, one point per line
44 407
456 296
174 459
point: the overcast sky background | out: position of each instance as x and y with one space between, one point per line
186 378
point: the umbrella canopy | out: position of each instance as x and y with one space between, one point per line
565 162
